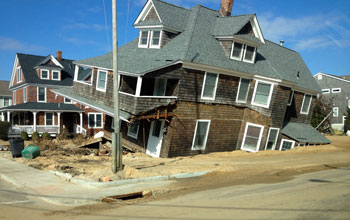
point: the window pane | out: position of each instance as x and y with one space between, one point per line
55 75
133 128
243 90
98 120
156 128
156 37
159 87
306 103
49 119
252 138
287 145
41 94
209 86
262 93
201 133
144 37
44 74
102 80
67 100
6 102
271 143
91 120
237 50
249 53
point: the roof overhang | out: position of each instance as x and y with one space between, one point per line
240 40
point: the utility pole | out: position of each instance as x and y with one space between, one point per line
117 164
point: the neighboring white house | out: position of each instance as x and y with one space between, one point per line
5 97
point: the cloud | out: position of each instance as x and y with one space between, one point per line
308 32
10 44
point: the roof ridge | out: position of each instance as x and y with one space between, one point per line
236 16
191 31
171 4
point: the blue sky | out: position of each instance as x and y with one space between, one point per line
318 29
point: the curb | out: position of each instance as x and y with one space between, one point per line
91 184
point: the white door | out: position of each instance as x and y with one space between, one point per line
155 138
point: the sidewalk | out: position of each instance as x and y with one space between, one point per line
58 191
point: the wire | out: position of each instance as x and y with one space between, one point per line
127 21
109 42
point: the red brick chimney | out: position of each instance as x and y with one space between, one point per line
59 55
226 7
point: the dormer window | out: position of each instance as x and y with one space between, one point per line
150 39
44 74
56 75
243 52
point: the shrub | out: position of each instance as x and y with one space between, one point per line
4 128
347 120
35 136
63 134
46 136
24 135
78 139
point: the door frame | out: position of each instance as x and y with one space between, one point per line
160 138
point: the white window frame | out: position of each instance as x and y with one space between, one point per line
239 87
151 39
291 98
334 90
19 74
98 78
349 103
268 136
148 37
337 112
37 93
272 85
245 51
245 134
25 94
9 101
135 136
41 73
319 77
53 118
286 140
203 86
95 113
326 91
206 135
242 51
64 99
14 98
308 108
59 75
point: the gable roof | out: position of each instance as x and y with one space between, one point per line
4 88
197 44
345 78
45 61
28 62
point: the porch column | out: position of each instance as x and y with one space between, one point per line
2 116
81 122
34 120
8 116
59 121
138 86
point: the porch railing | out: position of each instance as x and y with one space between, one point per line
81 130
39 128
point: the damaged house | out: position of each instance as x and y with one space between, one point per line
199 81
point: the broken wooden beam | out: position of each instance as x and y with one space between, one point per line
128 196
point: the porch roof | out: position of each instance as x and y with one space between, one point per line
36 106
304 133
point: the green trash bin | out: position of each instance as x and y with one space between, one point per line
31 152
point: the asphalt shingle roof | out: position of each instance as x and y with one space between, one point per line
28 62
30 106
304 133
197 44
4 88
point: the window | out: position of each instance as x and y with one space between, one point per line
155 43
143 42
41 94
14 97
209 86
133 130
156 128
286 144
6 101
336 90
159 87
272 139
83 75
262 94
290 100
326 91
201 134
55 75
319 77
24 94
66 100
19 74
95 120
306 104
242 51
101 81
252 137
49 119
243 89
335 112
44 74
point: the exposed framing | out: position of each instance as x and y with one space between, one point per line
203 86
135 136
41 74
267 105
238 91
98 79
45 89
245 135
302 106
276 139
286 140
206 135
